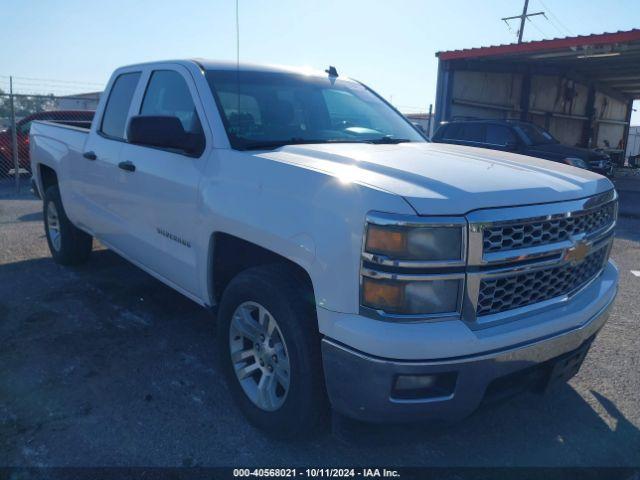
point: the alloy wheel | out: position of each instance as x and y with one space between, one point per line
53 226
259 356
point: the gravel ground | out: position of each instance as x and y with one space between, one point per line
102 365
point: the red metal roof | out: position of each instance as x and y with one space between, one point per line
542 45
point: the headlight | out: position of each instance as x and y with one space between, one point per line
437 243
576 162
397 296
412 265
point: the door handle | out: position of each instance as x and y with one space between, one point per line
90 155
128 166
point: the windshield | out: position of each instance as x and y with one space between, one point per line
535 135
269 110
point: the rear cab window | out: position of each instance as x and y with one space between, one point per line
114 119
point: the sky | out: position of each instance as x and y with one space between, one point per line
67 46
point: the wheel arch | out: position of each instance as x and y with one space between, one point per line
229 255
47 177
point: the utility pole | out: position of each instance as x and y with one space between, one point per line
525 16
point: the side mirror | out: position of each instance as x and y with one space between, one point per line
160 131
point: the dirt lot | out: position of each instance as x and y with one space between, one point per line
102 365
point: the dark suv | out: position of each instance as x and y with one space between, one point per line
521 137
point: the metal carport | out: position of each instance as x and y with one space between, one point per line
580 88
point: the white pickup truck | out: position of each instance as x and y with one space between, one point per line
351 264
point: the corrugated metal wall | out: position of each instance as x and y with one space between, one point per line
558 104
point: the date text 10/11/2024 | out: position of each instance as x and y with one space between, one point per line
316 473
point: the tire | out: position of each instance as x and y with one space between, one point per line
68 244
301 408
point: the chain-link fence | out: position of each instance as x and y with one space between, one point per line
20 105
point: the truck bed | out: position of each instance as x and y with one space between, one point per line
51 142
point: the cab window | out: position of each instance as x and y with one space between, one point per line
168 95
116 111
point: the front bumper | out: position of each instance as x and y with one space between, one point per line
606 169
360 385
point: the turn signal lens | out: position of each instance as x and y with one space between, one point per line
385 240
426 297
382 295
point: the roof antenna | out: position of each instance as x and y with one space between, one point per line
238 64
332 71
237 36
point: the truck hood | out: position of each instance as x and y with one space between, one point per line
443 179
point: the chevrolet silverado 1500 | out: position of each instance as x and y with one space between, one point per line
351 264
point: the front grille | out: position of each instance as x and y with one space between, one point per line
524 234
519 290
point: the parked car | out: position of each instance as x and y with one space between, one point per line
78 118
524 138
350 262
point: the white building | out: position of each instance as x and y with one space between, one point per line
80 101
423 120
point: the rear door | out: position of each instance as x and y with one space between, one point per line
500 137
159 199
464 133
94 173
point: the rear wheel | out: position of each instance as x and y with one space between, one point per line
270 352
68 244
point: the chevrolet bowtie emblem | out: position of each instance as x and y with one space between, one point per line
577 252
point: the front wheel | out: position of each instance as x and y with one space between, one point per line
270 352
68 245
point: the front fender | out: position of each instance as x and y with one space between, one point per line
314 219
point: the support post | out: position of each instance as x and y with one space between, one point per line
525 93
625 134
14 137
429 120
587 128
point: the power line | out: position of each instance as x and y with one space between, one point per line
560 31
523 17
555 17
542 32
49 80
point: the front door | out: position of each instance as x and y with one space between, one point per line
160 188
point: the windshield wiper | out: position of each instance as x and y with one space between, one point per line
389 139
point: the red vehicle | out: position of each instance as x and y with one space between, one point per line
77 118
